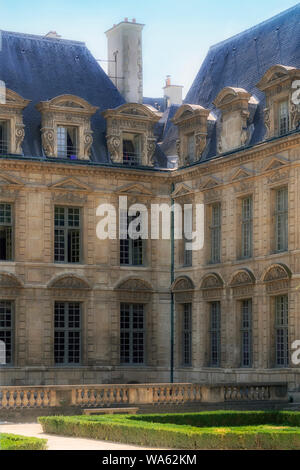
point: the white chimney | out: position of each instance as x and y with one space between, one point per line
173 93
125 55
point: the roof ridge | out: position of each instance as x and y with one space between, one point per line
255 27
37 37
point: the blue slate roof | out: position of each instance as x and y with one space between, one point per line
241 61
40 69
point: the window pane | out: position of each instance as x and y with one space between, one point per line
247 227
283 117
215 333
67 332
66 142
4 137
132 333
187 334
6 328
281 215
67 235
246 332
281 330
216 233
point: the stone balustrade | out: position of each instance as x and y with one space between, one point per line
89 396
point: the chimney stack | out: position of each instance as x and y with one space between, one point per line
125 66
172 93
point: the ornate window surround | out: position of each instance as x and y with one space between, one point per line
12 112
277 86
136 119
191 119
233 102
66 110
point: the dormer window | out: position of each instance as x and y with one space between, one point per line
191 121
132 149
66 127
130 134
4 137
67 142
281 114
283 118
12 131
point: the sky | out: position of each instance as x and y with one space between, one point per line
176 37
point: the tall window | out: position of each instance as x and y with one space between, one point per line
191 147
282 331
247 227
6 329
67 235
215 334
132 149
132 334
4 137
67 333
67 142
131 250
187 334
246 332
283 117
6 232
215 233
187 237
281 216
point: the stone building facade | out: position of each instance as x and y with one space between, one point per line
75 309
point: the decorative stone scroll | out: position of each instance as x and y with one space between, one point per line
277 278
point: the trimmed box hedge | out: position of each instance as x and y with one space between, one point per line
209 430
14 442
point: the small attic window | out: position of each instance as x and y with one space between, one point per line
283 111
67 142
191 147
132 149
4 137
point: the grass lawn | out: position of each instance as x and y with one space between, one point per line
13 442
209 430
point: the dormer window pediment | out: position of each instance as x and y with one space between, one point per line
66 127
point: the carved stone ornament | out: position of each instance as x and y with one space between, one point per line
134 285
242 278
277 273
212 281
9 281
295 115
267 122
136 119
69 282
66 110
183 284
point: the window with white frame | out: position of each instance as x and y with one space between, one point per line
282 331
67 142
281 216
67 234
246 332
247 227
132 334
6 330
215 334
6 232
67 333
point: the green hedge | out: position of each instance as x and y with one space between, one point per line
216 430
13 442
